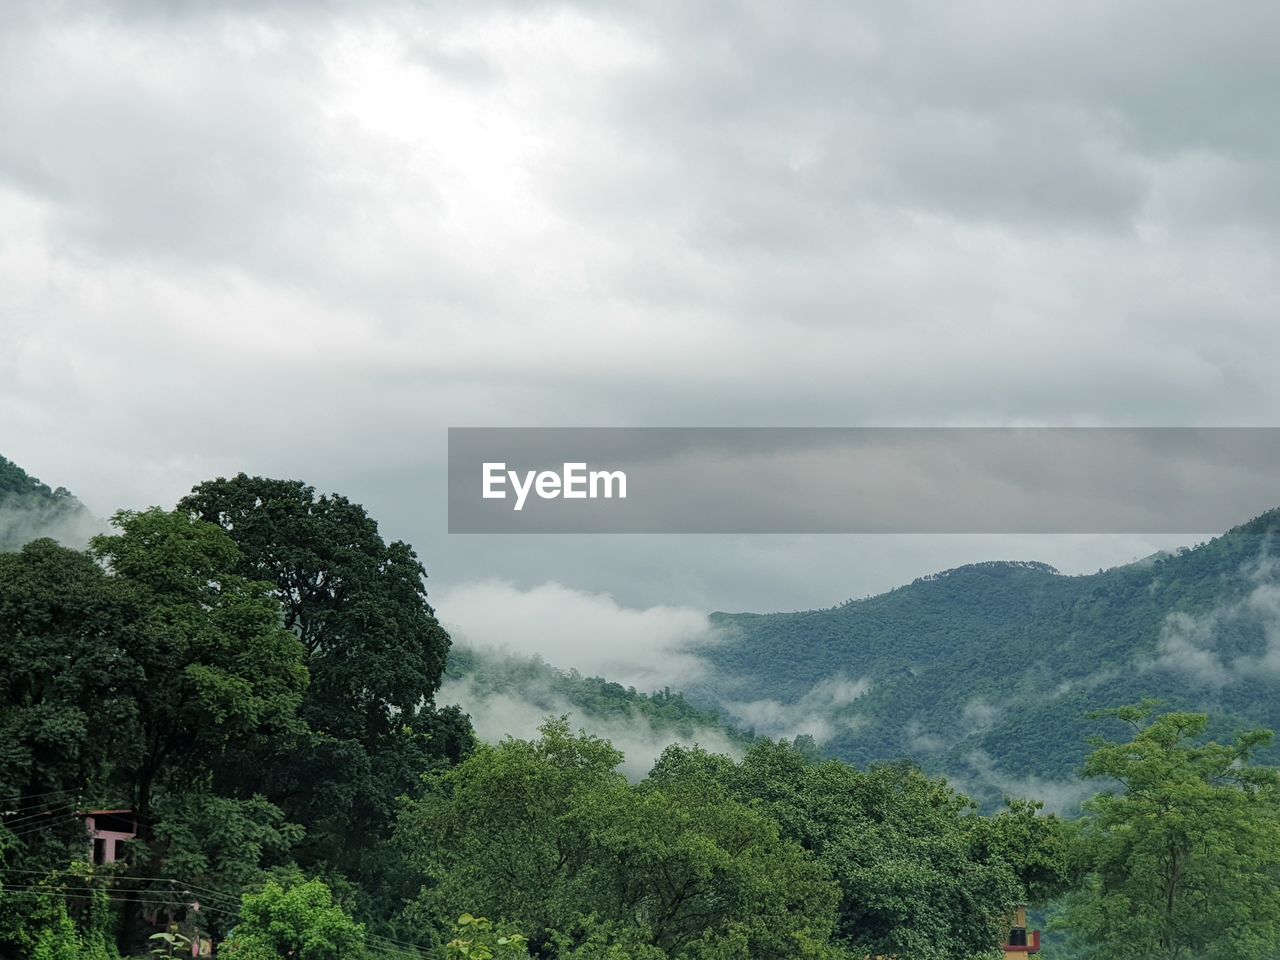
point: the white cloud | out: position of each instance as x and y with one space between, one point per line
819 713
984 780
303 239
593 633
1191 644
23 522
978 715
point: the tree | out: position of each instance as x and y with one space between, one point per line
298 923
904 848
213 665
211 847
703 875
1182 859
1036 846
494 835
373 645
375 653
546 834
63 677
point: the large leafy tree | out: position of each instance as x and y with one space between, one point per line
214 665
375 652
494 834
128 676
1182 857
65 679
358 604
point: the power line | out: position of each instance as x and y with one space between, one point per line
36 828
153 898
222 903
65 806
228 899
15 809
33 796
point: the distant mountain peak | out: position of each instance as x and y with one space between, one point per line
996 567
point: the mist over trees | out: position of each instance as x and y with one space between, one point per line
30 509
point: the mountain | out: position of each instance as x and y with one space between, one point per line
512 695
30 509
987 672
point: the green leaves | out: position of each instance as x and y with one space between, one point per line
547 835
301 922
214 662
479 939
1182 858
917 871
358 604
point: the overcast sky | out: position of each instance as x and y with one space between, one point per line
302 239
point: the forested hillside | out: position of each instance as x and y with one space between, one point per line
29 509
988 671
505 694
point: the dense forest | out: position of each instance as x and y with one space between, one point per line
219 728
993 668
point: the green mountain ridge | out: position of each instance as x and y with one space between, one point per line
992 668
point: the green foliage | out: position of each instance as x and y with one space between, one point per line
216 845
170 944
63 623
1036 846
1183 858
358 604
547 835
300 923
919 873
49 932
476 938
375 654
211 664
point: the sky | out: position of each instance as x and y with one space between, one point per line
304 239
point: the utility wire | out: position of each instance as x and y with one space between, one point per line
32 796
64 807
30 829
15 809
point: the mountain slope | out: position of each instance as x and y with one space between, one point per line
30 509
987 671
512 695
